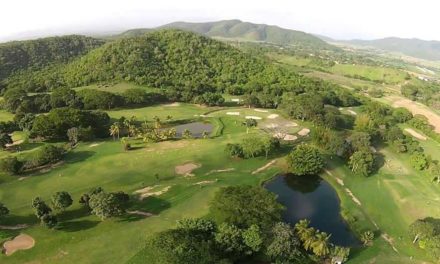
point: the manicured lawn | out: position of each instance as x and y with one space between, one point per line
85 239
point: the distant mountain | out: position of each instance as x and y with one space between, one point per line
423 49
238 30
38 53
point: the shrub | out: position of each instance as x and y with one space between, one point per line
11 165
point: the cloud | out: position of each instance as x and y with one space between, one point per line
337 18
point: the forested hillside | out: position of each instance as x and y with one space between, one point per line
165 58
245 31
36 54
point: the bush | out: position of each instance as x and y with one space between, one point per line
48 154
11 165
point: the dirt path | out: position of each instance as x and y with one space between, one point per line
264 167
141 213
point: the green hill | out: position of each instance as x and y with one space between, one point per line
428 50
244 31
163 58
36 54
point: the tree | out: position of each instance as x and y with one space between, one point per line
205 134
340 253
402 114
115 129
367 237
362 162
85 198
73 135
236 205
234 150
48 154
229 238
106 205
3 210
25 123
40 207
321 245
305 160
49 220
253 239
360 141
285 246
419 161
249 123
5 139
61 200
186 134
305 233
434 169
363 123
182 246
11 165
252 146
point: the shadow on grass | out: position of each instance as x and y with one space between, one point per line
11 220
78 156
153 205
79 225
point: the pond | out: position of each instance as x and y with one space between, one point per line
310 197
196 129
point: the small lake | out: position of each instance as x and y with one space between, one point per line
310 197
196 129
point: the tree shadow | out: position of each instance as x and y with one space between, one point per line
79 225
78 156
19 219
69 215
153 205
379 162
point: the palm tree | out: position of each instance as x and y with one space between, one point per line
114 130
301 227
321 244
186 134
308 238
157 123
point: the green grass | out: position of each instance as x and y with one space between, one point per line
6 116
108 166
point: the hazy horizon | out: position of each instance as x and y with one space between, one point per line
339 19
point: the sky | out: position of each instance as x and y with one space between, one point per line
339 19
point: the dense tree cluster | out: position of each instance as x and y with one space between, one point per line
253 146
58 121
426 233
305 160
36 54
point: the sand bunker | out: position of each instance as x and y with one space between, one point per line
286 137
233 113
261 110
172 105
186 169
352 112
264 167
141 213
253 117
304 132
148 191
20 242
272 116
415 134
354 198
236 100
93 145
222 170
205 182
